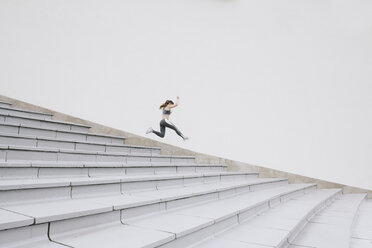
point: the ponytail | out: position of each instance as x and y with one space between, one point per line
166 103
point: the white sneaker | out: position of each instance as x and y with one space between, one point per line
149 130
186 138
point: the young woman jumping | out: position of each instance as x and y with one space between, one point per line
167 106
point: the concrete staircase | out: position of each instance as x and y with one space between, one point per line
62 186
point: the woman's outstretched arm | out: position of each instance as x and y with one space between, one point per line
177 103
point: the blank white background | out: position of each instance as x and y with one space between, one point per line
284 84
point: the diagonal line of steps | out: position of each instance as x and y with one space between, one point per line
275 227
51 209
42 123
331 227
43 132
173 180
106 230
4 110
14 153
24 170
65 144
171 228
61 186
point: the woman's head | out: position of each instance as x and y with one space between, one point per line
166 104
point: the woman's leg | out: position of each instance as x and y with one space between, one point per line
172 126
161 134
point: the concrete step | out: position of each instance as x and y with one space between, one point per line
5 110
35 122
331 227
134 203
361 236
35 142
28 154
183 226
274 228
5 104
20 170
42 132
117 183
26 190
35 236
95 230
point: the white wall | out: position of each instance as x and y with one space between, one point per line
279 83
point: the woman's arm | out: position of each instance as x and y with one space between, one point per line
175 105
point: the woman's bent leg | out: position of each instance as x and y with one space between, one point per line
161 134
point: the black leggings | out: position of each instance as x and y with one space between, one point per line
166 123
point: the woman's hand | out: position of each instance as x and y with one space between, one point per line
177 102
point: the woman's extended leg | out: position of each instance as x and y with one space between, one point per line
172 126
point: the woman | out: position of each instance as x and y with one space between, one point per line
167 106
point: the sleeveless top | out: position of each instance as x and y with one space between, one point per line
166 112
